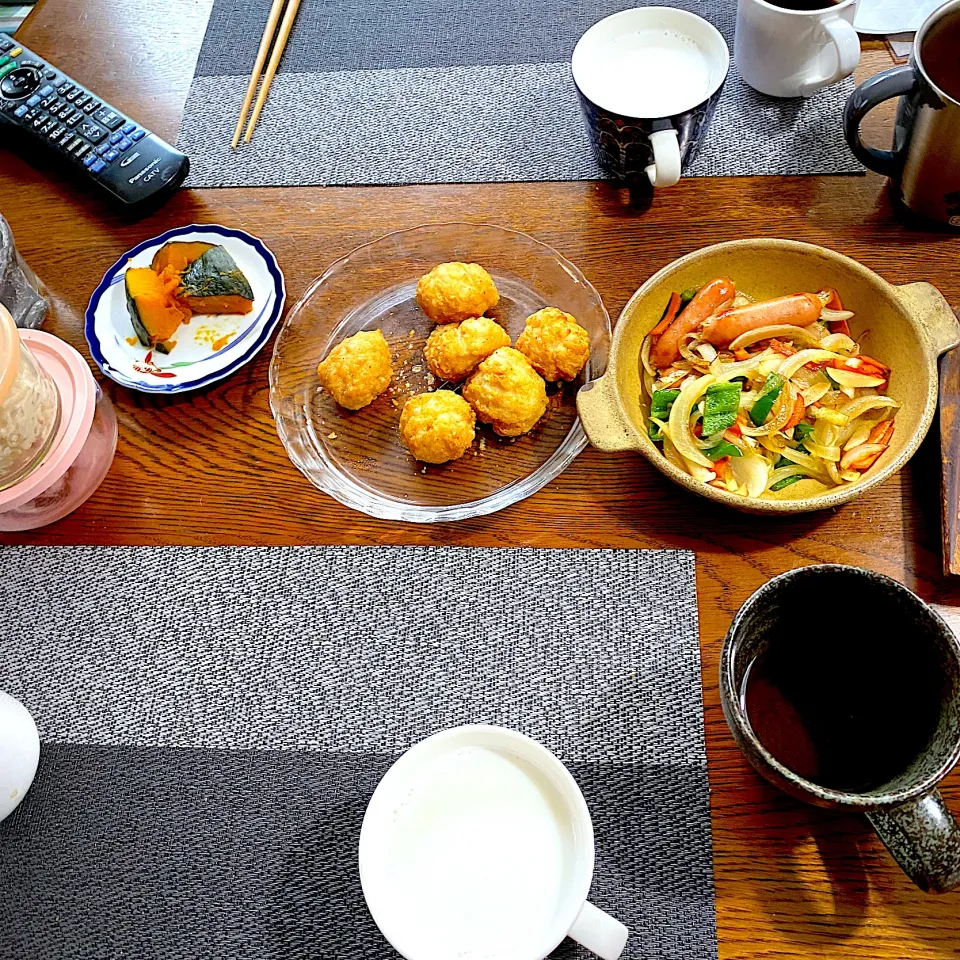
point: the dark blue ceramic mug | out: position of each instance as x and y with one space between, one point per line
649 81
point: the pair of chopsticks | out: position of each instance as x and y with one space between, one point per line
282 37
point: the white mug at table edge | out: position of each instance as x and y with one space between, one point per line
648 109
573 916
795 53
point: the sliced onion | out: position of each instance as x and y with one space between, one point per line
822 451
706 350
741 368
816 467
779 415
680 414
670 452
649 384
833 472
750 471
645 349
830 415
783 331
850 476
861 433
664 427
865 449
838 341
669 379
855 408
770 365
740 300
851 378
784 473
815 392
694 359
833 316
792 364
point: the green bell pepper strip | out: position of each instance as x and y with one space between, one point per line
785 482
723 449
720 406
772 388
801 431
688 295
660 406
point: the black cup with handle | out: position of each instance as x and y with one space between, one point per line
842 687
924 163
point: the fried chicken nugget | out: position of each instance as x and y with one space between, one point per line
507 393
453 350
357 370
452 292
555 344
437 427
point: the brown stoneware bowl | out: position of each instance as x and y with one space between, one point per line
906 327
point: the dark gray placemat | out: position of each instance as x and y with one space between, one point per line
215 720
450 91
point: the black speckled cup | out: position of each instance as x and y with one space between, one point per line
907 812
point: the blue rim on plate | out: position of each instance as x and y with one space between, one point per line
115 273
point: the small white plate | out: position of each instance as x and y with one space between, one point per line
208 348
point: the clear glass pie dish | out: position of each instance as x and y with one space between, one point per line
357 457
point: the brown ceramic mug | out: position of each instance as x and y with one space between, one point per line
842 687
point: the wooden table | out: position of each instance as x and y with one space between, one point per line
791 881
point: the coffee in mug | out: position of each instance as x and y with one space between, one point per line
856 713
924 164
804 5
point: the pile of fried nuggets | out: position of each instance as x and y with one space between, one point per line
502 385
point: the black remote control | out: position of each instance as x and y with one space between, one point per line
107 149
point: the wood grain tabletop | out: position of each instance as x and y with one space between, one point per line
208 468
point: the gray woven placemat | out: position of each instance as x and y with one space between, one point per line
214 722
445 91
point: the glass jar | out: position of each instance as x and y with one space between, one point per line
29 406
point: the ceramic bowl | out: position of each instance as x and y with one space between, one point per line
906 327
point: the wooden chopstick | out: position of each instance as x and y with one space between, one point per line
278 48
265 42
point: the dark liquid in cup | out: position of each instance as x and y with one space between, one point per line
843 703
940 54
808 5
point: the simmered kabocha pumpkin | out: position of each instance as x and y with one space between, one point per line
154 307
214 283
184 278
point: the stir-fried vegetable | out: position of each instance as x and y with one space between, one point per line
753 397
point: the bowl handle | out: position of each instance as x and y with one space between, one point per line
928 306
602 418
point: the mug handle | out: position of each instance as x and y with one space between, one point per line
665 169
924 839
847 45
896 82
599 932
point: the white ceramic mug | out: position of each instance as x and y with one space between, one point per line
795 53
477 844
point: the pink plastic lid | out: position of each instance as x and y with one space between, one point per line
78 394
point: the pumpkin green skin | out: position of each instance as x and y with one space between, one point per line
215 274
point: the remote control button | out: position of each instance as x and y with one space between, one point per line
111 155
129 128
65 139
57 132
6 44
39 120
5 60
20 111
138 135
124 144
11 86
109 118
34 100
83 150
82 100
65 112
73 94
16 51
98 166
36 64
46 90
48 126
116 137
31 114
90 160
104 149
91 131
50 75
75 142
64 88
91 106
74 120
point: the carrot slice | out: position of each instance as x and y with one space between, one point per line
799 412
882 432
673 308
